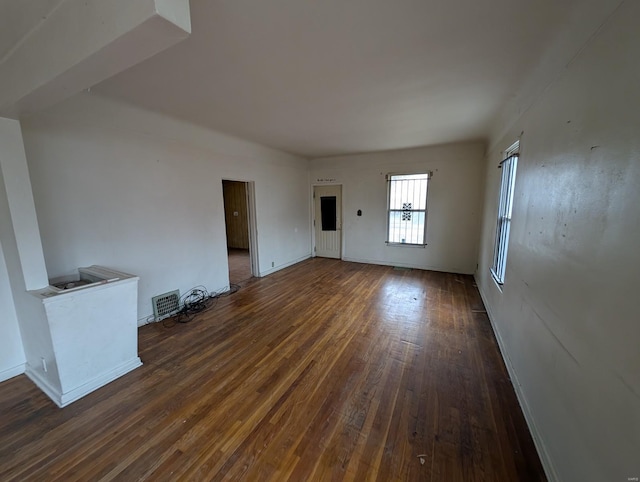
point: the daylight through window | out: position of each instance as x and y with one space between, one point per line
505 207
407 208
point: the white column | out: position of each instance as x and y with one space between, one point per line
13 163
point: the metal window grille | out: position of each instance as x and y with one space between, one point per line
166 304
407 208
505 208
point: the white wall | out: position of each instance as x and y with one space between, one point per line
454 204
19 198
140 192
28 341
568 318
11 351
78 43
12 357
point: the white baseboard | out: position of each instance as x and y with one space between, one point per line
404 265
12 372
145 320
42 384
64 399
283 266
545 459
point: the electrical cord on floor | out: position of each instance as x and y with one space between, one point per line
214 297
195 301
233 288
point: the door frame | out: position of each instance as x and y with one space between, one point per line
313 216
250 192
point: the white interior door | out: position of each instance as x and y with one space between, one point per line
328 220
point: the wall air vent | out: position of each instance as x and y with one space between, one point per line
166 304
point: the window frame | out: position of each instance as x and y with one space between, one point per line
389 178
509 166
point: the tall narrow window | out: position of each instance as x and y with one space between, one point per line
505 207
407 208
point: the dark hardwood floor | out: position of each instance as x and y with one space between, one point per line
324 371
239 265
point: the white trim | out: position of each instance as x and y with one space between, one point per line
252 222
64 399
253 227
538 441
285 265
389 180
512 149
406 245
409 173
506 197
494 276
441 269
42 384
12 372
313 217
50 294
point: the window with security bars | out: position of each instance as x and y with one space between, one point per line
505 208
407 208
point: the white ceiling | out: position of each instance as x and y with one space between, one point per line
329 77
18 18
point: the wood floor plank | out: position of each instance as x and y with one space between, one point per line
326 370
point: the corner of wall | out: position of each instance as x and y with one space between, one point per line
11 372
545 459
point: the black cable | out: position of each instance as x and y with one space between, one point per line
195 301
233 288
192 303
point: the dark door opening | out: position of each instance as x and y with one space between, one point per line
236 217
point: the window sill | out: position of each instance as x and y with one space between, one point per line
499 285
406 245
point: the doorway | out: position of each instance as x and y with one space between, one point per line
327 202
238 218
